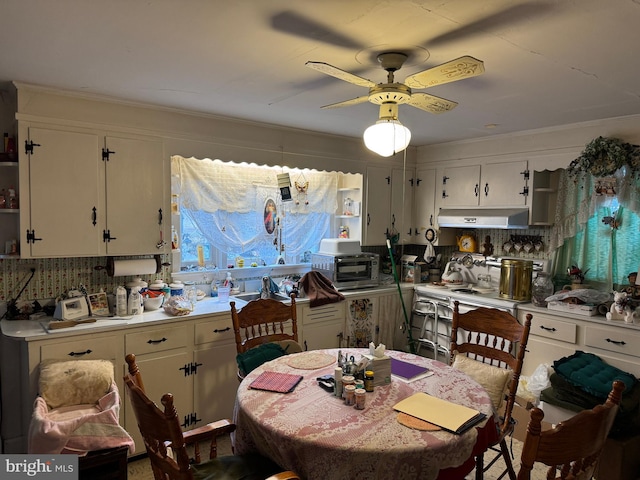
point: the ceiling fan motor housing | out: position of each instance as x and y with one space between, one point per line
397 93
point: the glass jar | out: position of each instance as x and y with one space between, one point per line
368 380
541 289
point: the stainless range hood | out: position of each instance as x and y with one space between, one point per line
504 218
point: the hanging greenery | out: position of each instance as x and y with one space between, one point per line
603 156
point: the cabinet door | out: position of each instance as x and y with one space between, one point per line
504 184
66 198
402 181
163 372
460 186
216 382
378 206
136 210
424 214
322 327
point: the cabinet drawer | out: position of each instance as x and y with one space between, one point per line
214 330
619 340
156 340
324 313
89 348
552 328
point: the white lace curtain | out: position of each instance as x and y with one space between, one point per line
228 201
582 235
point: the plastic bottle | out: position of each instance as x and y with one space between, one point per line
121 301
133 307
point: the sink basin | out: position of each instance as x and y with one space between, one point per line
247 297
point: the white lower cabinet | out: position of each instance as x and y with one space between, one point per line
554 335
193 359
323 326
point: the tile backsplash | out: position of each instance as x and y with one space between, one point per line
54 276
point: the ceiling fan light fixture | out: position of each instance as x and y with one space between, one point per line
387 137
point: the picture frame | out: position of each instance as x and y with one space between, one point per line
99 304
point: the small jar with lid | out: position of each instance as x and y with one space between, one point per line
344 232
350 395
360 394
368 380
346 381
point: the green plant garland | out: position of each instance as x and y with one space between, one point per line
604 156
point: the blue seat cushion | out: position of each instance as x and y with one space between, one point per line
592 374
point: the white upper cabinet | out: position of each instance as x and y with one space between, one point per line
424 209
490 185
388 211
62 203
89 194
135 194
378 206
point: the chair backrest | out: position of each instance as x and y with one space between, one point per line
159 429
263 321
493 337
573 447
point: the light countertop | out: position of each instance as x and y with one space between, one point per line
31 330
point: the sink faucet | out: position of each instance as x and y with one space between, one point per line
265 291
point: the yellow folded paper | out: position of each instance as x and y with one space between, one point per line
450 416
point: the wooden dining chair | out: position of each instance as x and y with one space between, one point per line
489 345
166 443
572 448
265 321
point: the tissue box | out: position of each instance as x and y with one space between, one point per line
381 367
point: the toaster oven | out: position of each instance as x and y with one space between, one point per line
348 271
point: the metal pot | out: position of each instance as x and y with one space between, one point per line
515 279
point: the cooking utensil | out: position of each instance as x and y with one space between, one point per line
55 324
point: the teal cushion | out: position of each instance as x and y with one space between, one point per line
236 467
589 372
256 356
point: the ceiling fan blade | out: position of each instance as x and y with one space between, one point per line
348 103
431 103
300 26
458 69
340 74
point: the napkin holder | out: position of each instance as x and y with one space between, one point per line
381 367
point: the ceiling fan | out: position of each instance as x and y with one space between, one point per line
392 93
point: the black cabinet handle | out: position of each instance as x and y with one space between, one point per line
155 342
79 354
221 331
616 342
547 328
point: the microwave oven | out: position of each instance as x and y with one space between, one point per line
349 271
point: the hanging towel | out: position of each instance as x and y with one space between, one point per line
319 289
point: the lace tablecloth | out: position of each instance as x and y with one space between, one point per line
315 434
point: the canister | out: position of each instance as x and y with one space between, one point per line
360 398
515 279
350 395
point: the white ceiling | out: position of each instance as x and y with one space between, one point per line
547 63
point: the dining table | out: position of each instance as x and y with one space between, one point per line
314 433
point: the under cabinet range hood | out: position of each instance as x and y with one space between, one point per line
503 218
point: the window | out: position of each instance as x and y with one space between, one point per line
598 233
237 211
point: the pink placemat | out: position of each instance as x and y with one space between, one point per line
276 382
310 360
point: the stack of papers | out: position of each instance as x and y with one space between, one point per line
450 416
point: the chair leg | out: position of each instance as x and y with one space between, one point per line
480 467
507 459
